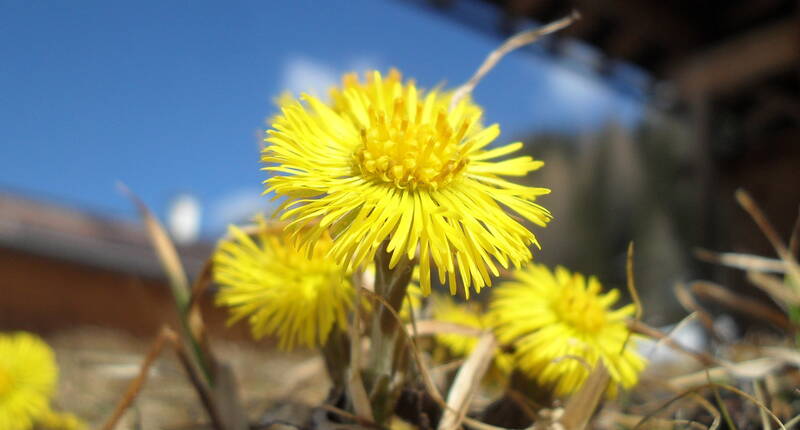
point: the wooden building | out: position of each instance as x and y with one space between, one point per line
63 268
730 68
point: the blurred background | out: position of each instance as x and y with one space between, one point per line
648 114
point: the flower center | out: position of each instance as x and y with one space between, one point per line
5 382
581 310
411 152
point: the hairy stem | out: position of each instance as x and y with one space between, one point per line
386 346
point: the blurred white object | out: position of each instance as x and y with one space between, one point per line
691 335
183 218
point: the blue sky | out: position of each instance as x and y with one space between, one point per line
171 96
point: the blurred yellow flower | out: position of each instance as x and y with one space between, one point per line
61 421
460 345
28 375
280 290
561 323
384 161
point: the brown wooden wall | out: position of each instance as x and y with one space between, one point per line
43 294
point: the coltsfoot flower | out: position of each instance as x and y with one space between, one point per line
28 376
281 290
561 323
384 161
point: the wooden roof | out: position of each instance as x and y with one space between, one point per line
711 46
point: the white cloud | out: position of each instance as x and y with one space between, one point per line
239 206
183 218
580 101
302 74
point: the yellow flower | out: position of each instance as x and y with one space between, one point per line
28 375
560 323
280 290
459 345
387 162
61 421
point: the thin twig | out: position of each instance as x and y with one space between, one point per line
642 328
631 283
760 219
668 335
514 42
137 383
748 306
688 302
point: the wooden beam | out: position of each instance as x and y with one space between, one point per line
738 61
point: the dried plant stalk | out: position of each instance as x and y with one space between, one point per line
514 42
741 261
582 404
466 383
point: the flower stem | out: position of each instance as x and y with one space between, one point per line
386 343
336 352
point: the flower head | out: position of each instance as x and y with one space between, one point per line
384 161
561 324
280 290
28 375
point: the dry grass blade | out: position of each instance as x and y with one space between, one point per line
690 304
755 401
167 254
431 327
668 335
343 413
655 423
467 381
355 385
722 406
167 337
478 425
793 422
787 355
644 329
179 285
581 405
136 385
200 285
512 43
741 304
194 317
631 283
752 369
427 380
741 261
792 268
776 288
766 424
794 238
689 393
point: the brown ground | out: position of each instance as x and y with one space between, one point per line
97 365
